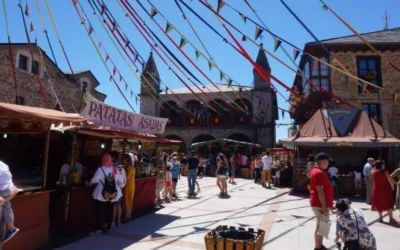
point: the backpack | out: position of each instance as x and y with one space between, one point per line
110 191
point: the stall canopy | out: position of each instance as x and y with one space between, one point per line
106 132
224 142
30 119
343 128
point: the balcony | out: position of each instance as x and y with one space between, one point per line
219 121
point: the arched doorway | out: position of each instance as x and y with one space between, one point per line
240 137
203 150
198 113
240 117
181 147
220 113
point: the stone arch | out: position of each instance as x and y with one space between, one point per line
168 109
182 146
244 104
240 137
194 105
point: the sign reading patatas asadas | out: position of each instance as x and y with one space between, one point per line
103 114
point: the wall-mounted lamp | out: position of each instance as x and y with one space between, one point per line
5 136
102 145
139 145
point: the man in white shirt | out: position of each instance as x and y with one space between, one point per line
244 161
267 166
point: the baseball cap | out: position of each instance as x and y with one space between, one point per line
322 156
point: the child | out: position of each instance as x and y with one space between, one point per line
339 228
5 190
175 170
168 182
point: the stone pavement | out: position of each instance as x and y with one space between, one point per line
181 225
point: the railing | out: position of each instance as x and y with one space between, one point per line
213 121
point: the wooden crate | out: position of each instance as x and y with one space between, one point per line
214 242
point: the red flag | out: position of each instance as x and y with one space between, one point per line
153 12
107 57
26 9
90 29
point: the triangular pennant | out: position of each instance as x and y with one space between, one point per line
229 82
26 9
32 28
169 27
136 100
75 1
221 4
198 54
100 44
283 114
131 93
341 119
221 75
258 32
114 70
182 43
107 57
111 78
120 78
153 12
296 53
166 90
126 86
243 17
103 9
90 29
277 43
395 97
244 39
114 26
210 65
83 18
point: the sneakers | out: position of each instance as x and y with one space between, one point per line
9 234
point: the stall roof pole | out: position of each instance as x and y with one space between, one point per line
46 158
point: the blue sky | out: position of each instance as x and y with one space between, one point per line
363 15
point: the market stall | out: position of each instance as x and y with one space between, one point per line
348 136
24 146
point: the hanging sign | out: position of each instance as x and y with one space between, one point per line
103 114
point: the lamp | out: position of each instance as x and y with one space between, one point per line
102 145
139 145
5 136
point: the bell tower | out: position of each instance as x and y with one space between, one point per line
149 87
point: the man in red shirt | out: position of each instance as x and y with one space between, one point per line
321 194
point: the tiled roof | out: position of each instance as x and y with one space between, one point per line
383 36
208 89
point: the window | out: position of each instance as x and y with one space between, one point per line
85 86
372 110
23 62
35 67
19 100
369 69
320 75
306 84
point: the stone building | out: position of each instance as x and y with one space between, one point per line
56 84
382 69
256 124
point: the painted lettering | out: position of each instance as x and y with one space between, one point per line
93 107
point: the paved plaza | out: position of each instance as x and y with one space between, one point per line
287 220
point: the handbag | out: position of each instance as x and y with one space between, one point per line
353 244
324 226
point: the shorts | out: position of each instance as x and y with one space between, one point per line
357 184
221 176
118 202
339 228
317 212
168 184
174 180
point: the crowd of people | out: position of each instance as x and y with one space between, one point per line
351 226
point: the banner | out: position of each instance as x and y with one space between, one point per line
103 114
341 119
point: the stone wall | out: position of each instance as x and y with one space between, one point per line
28 88
390 112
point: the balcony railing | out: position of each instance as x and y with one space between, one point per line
213 121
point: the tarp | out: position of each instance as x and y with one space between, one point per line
49 115
107 115
341 128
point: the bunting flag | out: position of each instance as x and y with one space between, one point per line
198 54
114 26
126 86
258 32
100 44
210 65
103 9
90 29
83 18
221 75
296 53
32 28
283 114
166 90
395 96
136 100
153 12
75 1
107 57
111 78
244 39
169 27
131 94
182 43
229 82
243 17
236 147
221 4
26 9
120 78
240 90
114 70
136 57
277 43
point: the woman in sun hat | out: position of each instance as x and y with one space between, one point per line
107 178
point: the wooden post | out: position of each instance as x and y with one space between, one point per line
46 157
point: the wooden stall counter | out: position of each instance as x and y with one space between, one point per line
145 194
31 212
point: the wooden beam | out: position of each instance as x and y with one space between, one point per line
46 158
